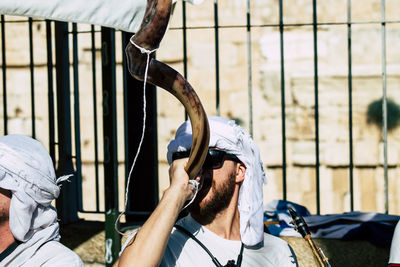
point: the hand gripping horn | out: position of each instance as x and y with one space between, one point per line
149 35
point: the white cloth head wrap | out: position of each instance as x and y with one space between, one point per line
26 169
231 138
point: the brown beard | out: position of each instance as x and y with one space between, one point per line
220 201
4 217
4 207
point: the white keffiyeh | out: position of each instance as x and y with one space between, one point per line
231 138
26 169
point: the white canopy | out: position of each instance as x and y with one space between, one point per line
124 15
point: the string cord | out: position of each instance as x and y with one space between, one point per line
148 52
194 183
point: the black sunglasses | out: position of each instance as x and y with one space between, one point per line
214 159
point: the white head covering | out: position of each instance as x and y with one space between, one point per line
231 138
26 169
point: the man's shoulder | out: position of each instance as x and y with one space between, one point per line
271 240
278 250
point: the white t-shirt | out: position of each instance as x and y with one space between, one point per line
184 251
52 254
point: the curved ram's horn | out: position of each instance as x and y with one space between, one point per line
149 35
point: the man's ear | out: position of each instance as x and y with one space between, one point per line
240 172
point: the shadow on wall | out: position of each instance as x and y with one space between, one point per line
375 114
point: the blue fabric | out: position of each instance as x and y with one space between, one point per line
276 209
376 228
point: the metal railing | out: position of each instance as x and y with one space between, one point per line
63 117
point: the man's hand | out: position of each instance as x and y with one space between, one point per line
179 181
149 245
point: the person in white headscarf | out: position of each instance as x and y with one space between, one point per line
29 230
225 223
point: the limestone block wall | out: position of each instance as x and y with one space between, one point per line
299 94
266 94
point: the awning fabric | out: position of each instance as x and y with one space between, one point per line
124 15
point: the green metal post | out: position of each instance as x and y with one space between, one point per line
113 240
67 202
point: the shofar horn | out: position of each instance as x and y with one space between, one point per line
149 36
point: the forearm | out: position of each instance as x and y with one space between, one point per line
150 242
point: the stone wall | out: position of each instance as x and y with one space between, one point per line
266 94
299 94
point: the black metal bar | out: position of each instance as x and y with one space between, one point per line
143 193
145 214
67 205
283 113
110 143
184 32
95 130
316 115
274 25
50 89
78 157
23 21
216 31
4 72
249 69
93 212
350 84
253 26
384 107
90 31
32 68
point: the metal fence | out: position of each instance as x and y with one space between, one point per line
70 93
58 63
